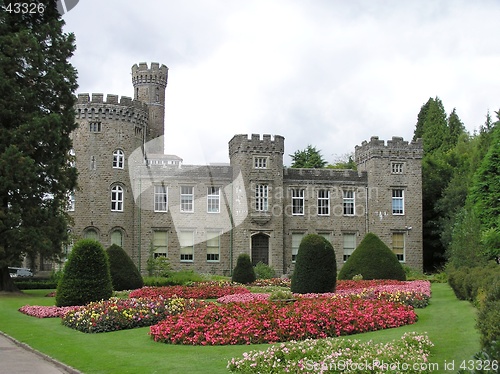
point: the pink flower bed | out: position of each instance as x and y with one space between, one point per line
197 291
47 311
269 322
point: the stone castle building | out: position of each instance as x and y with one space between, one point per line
203 216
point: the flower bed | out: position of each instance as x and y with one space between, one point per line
47 311
120 314
272 282
269 322
338 356
205 290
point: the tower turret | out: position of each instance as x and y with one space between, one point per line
149 87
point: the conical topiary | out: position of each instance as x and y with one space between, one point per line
244 271
124 273
373 260
86 275
316 266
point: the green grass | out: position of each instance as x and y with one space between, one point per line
448 322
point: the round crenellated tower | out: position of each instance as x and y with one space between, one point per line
149 87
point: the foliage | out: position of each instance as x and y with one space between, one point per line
281 295
36 114
333 355
315 267
264 271
158 266
35 284
269 322
373 260
244 271
86 275
124 273
343 162
488 318
310 158
202 290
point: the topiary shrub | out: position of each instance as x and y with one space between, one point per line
316 266
373 260
86 275
244 271
124 273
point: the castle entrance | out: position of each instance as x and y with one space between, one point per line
260 249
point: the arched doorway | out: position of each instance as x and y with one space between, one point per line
260 249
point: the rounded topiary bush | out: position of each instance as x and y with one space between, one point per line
315 267
124 273
373 260
244 271
86 275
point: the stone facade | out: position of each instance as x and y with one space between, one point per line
203 216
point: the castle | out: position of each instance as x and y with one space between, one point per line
203 216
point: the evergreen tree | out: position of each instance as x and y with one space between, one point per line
455 128
36 118
308 158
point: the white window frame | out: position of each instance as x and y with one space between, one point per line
296 239
186 242
348 202
397 167
298 201
260 162
347 246
261 197
323 202
400 256
160 198
187 199
160 243
213 245
213 199
117 198
118 159
398 202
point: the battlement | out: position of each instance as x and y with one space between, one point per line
256 144
142 74
397 147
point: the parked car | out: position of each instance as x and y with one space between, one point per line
20 272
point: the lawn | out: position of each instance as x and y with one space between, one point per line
448 322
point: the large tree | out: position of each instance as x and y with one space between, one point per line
36 118
308 158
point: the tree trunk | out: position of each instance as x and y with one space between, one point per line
6 282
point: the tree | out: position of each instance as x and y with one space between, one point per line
124 273
343 162
308 158
244 271
36 115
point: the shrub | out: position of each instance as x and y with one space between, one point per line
487 321
264 271
244 271
124 273
373 260
86 275
316 266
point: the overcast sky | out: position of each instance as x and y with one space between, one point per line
330 73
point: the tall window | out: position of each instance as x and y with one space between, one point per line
161 199
260 162
213 246
297 202
118 159
296 239
117 238
398 203
71 201
348 202
213 200
349 245
186 240
261 197
187 198
323 203
398 245
117 199
160 243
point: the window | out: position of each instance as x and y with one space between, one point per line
213 246
187 198
118 159
260 162
398 202
323 203
117 238
186 240
117 199
91 234
348 202
297 202
71 201
95 126
261 197
398 245
349 245
93 163
296 239
397 168
213 200
161 199
160 243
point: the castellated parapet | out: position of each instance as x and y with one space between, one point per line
157 74
395 148
255 144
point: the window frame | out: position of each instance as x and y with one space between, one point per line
397 167
323 203
348 202
298 201
156 239
117 198
400 256
213 198
118 159
187 199
296 245
163 195
260 162
398 202
183 246
345 254
210 245
261 197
